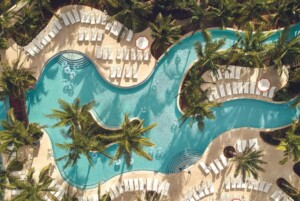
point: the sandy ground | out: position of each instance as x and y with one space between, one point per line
181 183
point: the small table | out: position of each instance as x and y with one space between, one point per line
263 84
142 42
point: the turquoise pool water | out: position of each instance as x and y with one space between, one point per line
153 101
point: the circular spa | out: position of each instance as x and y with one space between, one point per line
69 75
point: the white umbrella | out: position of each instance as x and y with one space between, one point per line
263 84
142 42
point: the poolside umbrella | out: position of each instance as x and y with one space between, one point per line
263 85
142 43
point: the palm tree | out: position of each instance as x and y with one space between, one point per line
250 49
151 196
15 134
6 175
248 163
197 108
287 12
72 115
165 33
284 51
105 197
32 189
83 143
223 11
42 6
130 139
208 55
290 144
14 81
132 13
253 10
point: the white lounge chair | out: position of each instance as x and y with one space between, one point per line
246 87
135 72
227 74
271 92
93 18
255 185
94 197
204 167
104 53
136 184
196 196
149 184
161 187
129 35
88 17
228 89
70 17
244 145
224 160
252 87
240 87
112 72
215 92
267 187
86 35
139 55
146 55
127 71
239 183
82 16
108 26
210 97
239 146
251 185
76 15
103 18
265 94
235 88
231 69
37 43
257 91
131 185
233 183
261 186
227 184
120 188
94 35
126 54
116 29
222 91
100 35
98 52
57 24
238 72
213 78
110 54
219 165
155 185
119 54
132 54
214 168
119 72
59 192
65 19
98 18
142 185
276 194
219 74
166 190
253 143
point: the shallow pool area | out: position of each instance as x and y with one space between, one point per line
69 75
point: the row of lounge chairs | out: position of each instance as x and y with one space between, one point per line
104 53
232 72
216 166
138 184
238 184
279 195
87 35
238 88
138 55
199 192
130 72
242 144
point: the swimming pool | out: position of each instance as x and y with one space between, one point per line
153 101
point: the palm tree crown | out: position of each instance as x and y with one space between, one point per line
248 163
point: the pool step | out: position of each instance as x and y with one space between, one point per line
183 160
82 62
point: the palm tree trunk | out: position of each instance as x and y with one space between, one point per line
19 106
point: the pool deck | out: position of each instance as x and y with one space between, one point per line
181 183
